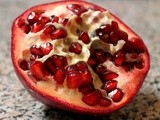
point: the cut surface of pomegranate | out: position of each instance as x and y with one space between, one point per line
77 56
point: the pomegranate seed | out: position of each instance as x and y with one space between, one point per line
49 65
116 95
81 66
119 58
109 76
105 28
33 17
101 69
23 65
25 27
44 20
84 37
58 34
86 77
86 89
114 25
59 61
71 68
76 9
122 35
59 76
73 80
104 37
92 61
109 85
100 56
78 20
49 29
93 98
105 102
34 57
55 19
38 26
64 21
114 38
75 47
38 70
46 48
35 50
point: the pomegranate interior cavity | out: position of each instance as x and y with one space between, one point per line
78 56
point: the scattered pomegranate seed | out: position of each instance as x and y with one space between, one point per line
38 70
105 102
55 19
100 56
119 58
116 95
114 38
84 37
59 61
101 69
49 65
81 66
25 27
49 29
93 98
35 50
23 65
38 26
78 20
46 48
114 25
59 76
86 77
109 85
86 89
75 47
44 20
76 9
105 29
109 75
33 17
58 34
92 61
122 35
64 21
34 57
104 37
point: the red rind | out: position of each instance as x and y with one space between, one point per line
59 103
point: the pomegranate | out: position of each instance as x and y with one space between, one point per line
77 56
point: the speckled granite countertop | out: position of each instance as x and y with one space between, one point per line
141 15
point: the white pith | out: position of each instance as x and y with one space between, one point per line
61 91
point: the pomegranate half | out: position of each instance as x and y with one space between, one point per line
77 56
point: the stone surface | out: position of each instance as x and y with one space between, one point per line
143 16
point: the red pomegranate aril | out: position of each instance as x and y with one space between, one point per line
81 66
116 95
122 35
49 65
105 102
92 61
100 56
105 38
78 20
38 70
109 75
44 20
76 9
58 34
54 19
59 76
119 58
34 57
59 61
105 29
84 37
46 48
75 47
92 98
86 89
114 38
25 27
86 77
33 17
35 50
71 68
49 29
73 80
101 69
23 64
64 21
109 85
38 26
114 25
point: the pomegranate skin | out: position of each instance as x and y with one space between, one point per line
54 101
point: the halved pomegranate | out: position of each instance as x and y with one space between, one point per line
77 56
